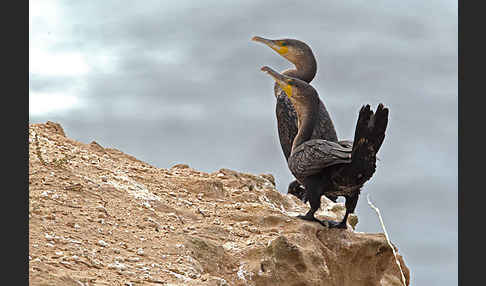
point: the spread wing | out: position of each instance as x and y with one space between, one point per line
312 156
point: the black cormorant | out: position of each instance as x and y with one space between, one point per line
325 167
300 54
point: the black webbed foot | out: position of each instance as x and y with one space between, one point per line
310 218
307 217
334 224
326 223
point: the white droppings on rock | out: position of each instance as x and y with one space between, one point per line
117 265
230 246
177 275
102 243
147 206
243 273
65 262
133 259
188 203
132 187
74 241
97 263
140 252
101 208
143 268
221 281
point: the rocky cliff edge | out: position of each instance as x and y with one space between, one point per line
98 216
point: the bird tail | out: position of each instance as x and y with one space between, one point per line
368 138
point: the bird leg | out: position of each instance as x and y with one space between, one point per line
312 195
298 190
315 202
351 202
332 198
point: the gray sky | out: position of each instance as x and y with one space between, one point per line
179 82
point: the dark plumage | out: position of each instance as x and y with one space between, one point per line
301 55
325 167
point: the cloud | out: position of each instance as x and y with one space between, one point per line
48 103
173 82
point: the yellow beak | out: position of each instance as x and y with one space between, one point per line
280 79
272 44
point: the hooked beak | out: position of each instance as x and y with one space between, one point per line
272 44
276 75
262 40
279 78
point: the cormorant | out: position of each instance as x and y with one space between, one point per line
300 54
325 167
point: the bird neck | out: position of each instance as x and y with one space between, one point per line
307 116
306 68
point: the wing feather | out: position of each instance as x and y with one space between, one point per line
312 156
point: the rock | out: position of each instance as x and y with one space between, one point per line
55 128
269 177
180 166
355 258
181 226
212 257
102 243
97 147
117 265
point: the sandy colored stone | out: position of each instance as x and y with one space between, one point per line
180 226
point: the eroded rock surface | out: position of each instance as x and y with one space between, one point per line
98 216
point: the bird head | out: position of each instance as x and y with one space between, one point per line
293 50
294 88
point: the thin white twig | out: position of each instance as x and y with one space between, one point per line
387 238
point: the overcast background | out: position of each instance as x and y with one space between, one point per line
179 82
